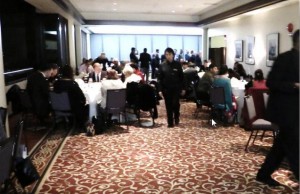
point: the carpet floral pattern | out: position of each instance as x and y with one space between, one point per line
191 158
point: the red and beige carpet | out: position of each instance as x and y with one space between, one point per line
190 158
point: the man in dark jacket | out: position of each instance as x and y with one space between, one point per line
283 110
145 60
171 83
133 57
38 90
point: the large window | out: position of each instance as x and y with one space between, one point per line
119 46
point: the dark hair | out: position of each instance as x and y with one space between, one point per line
112 74
132 49
67 72
170 50
54 66
45 67
145 49
258 75
134 66
223 69
296 37
211 66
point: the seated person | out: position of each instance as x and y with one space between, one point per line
258 82
204 85
138 72
130 76
85 67
54 74
76 96
38 91
97 75
233 74
238 68
112 82
116 66
222 80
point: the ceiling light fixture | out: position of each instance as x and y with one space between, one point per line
173 11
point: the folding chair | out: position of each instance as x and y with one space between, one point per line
258 124
61 108
218 103
116 103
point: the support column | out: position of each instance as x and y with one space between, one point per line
205 43
78 45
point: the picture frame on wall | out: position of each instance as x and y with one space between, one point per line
272 48
250 50
238 50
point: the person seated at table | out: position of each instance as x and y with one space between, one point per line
238 68
98 74
202 90
76 96
222 80
233 74
54 74
137 71
116 66
111 82
85 67
129 75
38 91
258 81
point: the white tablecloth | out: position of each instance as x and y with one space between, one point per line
92 92
238 88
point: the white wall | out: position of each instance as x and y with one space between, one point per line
258 25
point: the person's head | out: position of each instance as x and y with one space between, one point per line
157 51
46 69
213 69
296 40
134 67
223 70
112 74
258 75
97 67
67 72
185 65
115 61
128 70
54 67
145 50
169 54
102 56
132 49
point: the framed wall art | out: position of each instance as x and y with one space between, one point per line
238 50
272 48
250 50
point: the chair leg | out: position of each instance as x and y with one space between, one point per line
262 135
249 140
255 136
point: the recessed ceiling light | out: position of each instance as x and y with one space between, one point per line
114 9
173 11
180 6
114 3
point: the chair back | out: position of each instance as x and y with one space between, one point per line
6 150
217 96
60 101
257 94
25 101
115 101
250 107
132 93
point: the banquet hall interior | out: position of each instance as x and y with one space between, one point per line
196 156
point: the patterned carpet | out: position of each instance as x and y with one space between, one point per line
190 158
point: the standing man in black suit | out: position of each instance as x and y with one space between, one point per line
171 83
38 90
132 56
283 110
145 60
98 74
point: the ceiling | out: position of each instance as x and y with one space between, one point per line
182 12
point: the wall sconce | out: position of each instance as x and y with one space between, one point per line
290 28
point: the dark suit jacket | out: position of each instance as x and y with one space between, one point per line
283 103
38 90
145 59
103 75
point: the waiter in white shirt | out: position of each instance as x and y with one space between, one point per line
98 74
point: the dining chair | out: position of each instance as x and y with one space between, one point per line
258 124
218 103
116 103
60 104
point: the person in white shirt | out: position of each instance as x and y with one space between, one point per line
130 76
85 67
112 82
